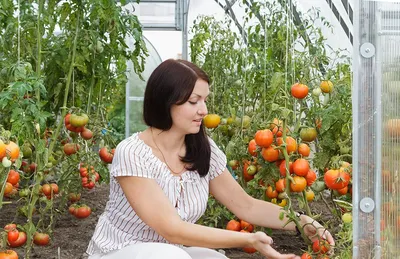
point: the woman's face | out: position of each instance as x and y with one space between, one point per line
188 117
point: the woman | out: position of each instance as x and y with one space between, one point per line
161 179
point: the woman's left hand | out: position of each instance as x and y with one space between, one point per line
315 230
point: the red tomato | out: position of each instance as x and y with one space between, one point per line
336 179
10 227
233 225
321 246
13 177
86 134
264 138
20 241
12 235
270 154
299 91
306 256
301 167
105 155
311 177
82 212
282 168
252 148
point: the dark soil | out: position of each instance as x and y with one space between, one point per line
71 236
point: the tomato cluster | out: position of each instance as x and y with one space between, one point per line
242 226
89 176
80 211
12 183
49 190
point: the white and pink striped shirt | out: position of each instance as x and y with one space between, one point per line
119 225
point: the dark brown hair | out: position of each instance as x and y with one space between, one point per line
172 83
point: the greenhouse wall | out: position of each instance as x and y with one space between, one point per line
376 115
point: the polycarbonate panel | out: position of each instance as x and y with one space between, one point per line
156 13
376 120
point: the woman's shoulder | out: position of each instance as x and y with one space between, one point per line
134 144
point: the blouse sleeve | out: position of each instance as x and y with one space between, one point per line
217 160
130 159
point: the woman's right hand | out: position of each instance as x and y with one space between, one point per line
262 243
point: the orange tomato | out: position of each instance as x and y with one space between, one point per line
280 185
270 193
299 184
291 144
301 167
336 179
8 254
211 121
299 91
270 154
8 188
326 86
282 168
2 149
304 149
264 138
12 151
252 148
244 225
311 177
13 177
233 225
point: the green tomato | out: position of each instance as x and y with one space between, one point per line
316 92
347 218
252 169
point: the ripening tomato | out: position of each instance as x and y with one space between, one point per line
301 167
86 134
299 91
13 177
252 148
46 189
280 185
233 225
78 120
304 149
308 134
8 188
12 151
311 177
8 254
2 149
336 179
271 193
71 148
234 164
326 86
105 155
41 239
211 121
299 184
247 177
74 197
10 227
310 195
306 256
270 154
264 138
82 212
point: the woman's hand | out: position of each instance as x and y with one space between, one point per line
262 243
314 231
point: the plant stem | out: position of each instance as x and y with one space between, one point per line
39 46
308 211
64 108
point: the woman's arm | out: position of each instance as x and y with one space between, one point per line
154 208
258 212
226 190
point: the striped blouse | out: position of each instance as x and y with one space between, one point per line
119 225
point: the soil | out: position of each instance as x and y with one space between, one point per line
71 236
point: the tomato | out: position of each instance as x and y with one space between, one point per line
299 91
342 191
270 154
12 151
306 256
71 148
8 254
318 123
299 184
105 155
83 172
74 197
82 212
46 189
336 179
211 121
10 227
78 120
326 86
393 127
316 92
2 149
251 169
282 168
41 239
280 185
264 138
12 235
347 218
13 177
244 225
86 134
321 246
20 241
247 177
249 250
233 225
252 148
304 149
291 144
311 177
301 167
270 193
8 188
308 134
54 187
234 164
310 195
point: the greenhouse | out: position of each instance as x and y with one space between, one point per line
199 129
